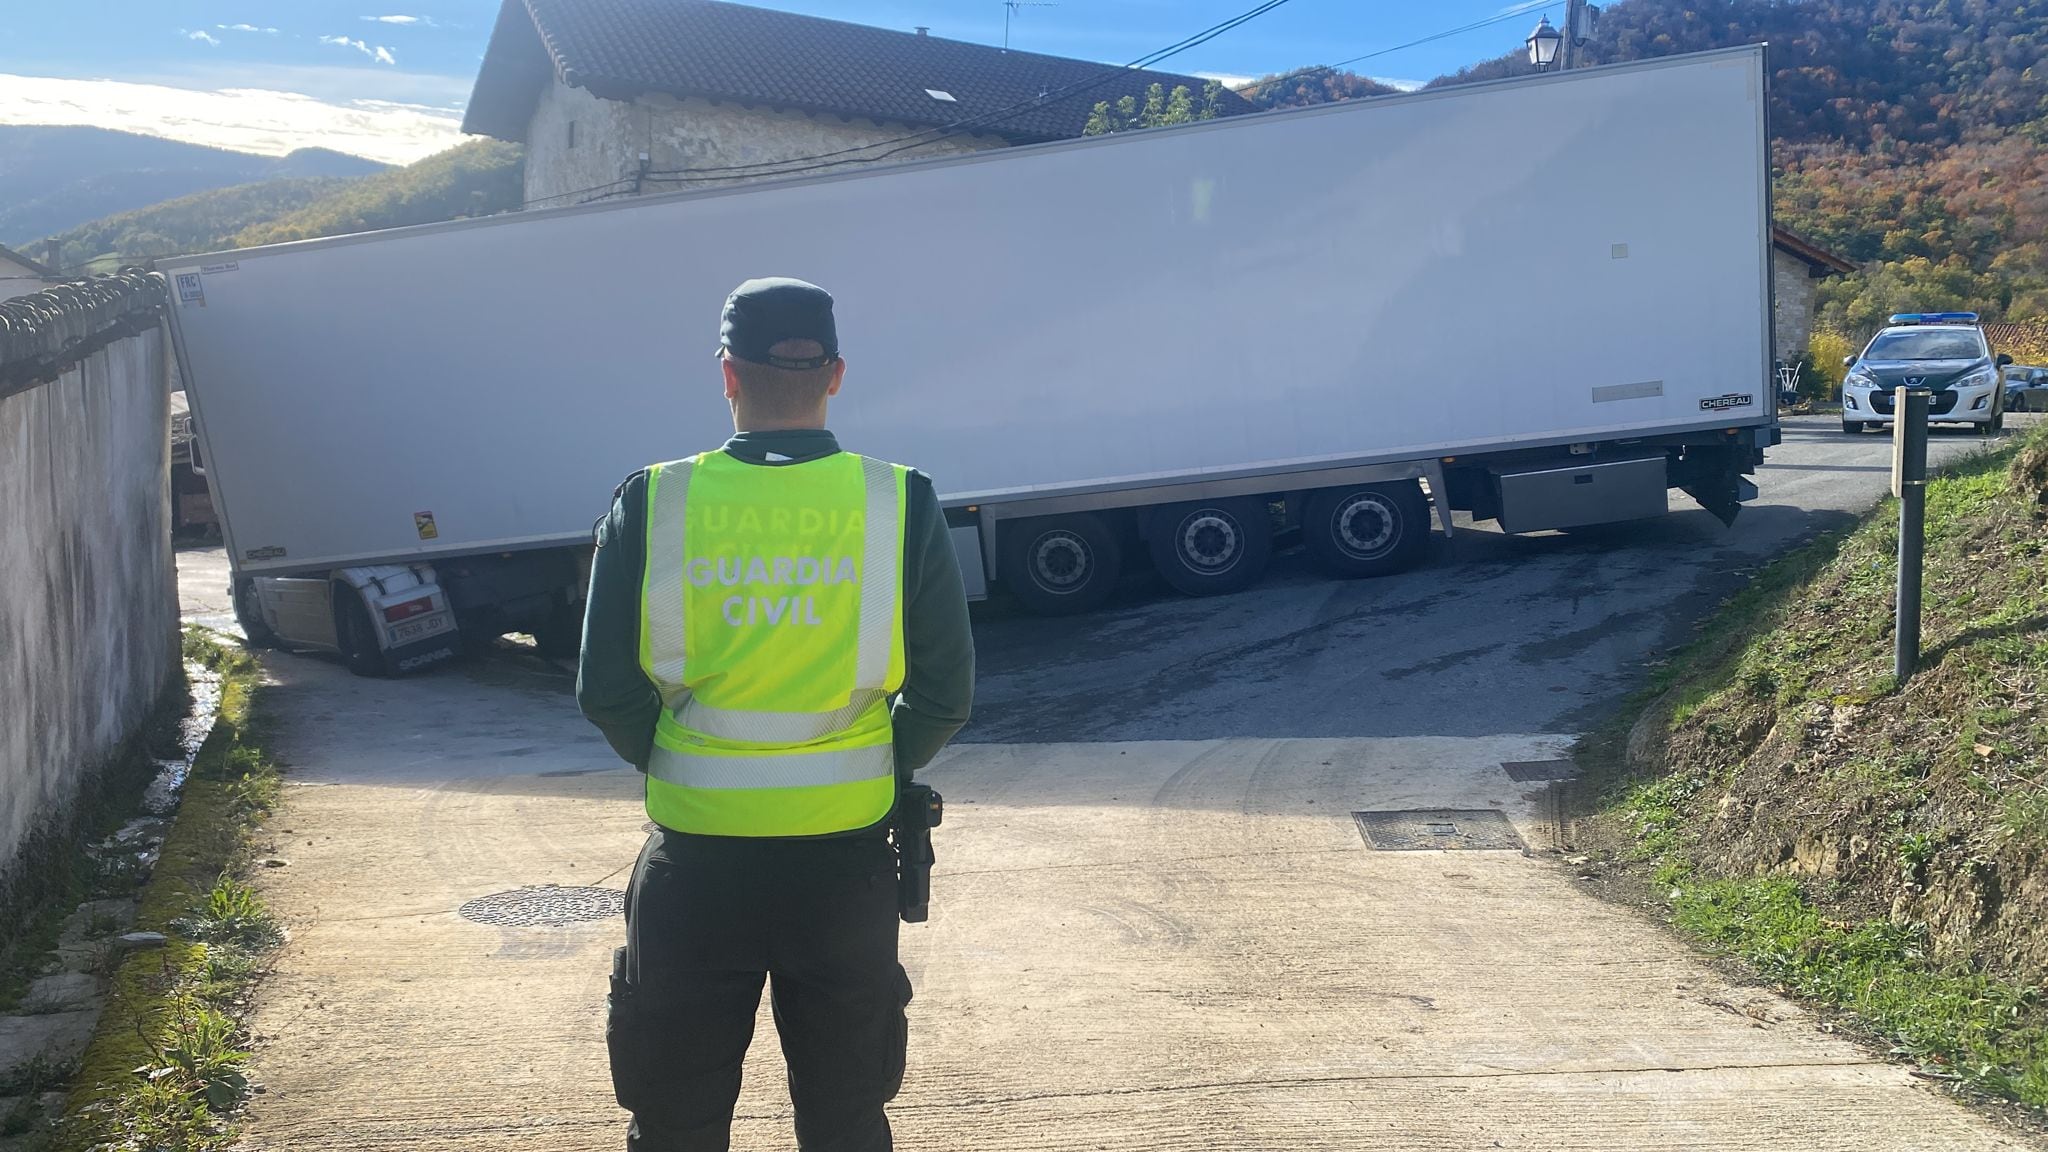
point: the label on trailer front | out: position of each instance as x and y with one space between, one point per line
1731 400
190 289
423 523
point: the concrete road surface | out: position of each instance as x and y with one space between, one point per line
1156 922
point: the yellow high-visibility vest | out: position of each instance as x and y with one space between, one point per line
771 622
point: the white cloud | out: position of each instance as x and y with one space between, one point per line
246 119
1227 79
380 53
203 38
400 20
244 28
1399 84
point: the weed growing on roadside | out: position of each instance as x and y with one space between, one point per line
1915 850
232 914
2025 813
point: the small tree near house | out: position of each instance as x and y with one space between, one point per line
1159 110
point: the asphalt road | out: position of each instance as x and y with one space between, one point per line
1497 634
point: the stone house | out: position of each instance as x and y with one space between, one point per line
626 97
1798 265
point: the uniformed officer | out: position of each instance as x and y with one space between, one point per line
776 635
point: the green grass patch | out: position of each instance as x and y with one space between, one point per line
165 1069
1989 1034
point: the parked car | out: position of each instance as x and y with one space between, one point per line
2026 388
1944 352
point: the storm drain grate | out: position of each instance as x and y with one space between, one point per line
1425 829
1536 771
545 906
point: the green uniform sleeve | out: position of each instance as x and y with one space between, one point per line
938 642
611 689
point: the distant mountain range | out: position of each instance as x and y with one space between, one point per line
53 179
473 179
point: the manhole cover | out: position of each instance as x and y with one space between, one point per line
1424 829
546 906
1535 771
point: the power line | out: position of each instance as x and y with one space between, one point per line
1518 10
798 164
578 192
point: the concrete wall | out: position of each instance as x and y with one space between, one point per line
1794 286
88 607
677 135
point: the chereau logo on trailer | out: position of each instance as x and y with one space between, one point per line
1731 400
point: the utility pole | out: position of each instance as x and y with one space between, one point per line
1578 28
1909 484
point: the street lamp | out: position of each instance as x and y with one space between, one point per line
1543 44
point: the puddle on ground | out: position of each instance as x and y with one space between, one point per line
203 686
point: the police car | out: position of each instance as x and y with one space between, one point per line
1944 352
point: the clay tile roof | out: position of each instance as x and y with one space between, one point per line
43 333
619 49
1822 261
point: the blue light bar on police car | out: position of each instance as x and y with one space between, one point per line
1933 318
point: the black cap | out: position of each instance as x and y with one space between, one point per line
763 313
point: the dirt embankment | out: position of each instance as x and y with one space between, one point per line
1805 812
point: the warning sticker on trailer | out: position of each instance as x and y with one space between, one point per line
190 290
1731 400
423 523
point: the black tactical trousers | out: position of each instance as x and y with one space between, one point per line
708 919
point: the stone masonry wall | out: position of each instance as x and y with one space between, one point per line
679 135
88 607
1793 285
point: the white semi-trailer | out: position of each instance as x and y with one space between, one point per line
1543 301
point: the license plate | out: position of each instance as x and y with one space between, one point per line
421 628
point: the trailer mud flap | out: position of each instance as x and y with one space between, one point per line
1722 494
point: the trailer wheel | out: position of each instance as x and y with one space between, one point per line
356 635
1371 530
1060 565
1211 547
249 614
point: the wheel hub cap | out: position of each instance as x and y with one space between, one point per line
1208 541
1060 561
1364 526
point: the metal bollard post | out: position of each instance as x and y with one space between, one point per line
1909 484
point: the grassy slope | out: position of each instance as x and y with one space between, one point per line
1882 850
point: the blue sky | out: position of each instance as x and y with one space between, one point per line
390 80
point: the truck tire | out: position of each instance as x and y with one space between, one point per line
1211 547
356 635
1060 565
250 616
1369 530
